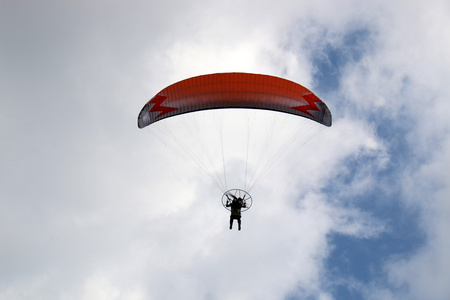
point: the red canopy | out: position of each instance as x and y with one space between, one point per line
234 90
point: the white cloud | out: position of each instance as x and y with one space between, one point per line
404 79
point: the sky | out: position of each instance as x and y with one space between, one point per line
91 207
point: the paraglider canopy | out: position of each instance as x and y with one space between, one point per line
243 145
234 90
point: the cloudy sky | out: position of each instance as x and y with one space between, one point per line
91 207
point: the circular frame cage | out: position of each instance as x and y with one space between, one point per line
237 193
